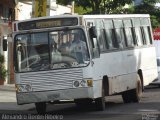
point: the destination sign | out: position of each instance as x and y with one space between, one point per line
48 23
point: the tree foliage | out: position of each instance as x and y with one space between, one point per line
116 6
98 6
102 6
81 11
64 2
148 7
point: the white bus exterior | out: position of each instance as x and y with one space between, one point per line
115 55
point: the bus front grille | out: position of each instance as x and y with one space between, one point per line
52 80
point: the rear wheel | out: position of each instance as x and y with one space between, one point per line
40 107
126 96
135 94
100 102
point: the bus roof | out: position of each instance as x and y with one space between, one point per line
90 16
66 20
116 16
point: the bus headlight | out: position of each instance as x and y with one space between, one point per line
83 83
76 83
23 88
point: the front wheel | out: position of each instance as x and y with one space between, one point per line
40 107
83 102
100 102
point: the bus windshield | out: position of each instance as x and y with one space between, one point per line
51 50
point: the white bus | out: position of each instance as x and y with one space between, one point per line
83 58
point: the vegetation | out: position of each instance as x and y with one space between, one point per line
117 7
98 6
3 71
148 7
81 10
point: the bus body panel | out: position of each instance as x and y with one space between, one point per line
122 67
143 59
47 96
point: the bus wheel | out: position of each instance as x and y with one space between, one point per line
126 96
137 92
83 102
40 107
133 95
100 102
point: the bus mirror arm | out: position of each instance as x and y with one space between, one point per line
93 32
4 44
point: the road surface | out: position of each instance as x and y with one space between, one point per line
147 109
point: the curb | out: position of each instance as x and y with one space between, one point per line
7 87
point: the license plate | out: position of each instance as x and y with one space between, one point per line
53 96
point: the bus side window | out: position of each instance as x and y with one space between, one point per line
128 32
110 37
120 39
146 35
134 36
137 31
149 33
139 36
129 37
100 35
146 31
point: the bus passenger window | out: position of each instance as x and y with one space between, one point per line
137 31
129 37
138 36
147 35
145 22
100 35
130 41
120 38
111 42
109 36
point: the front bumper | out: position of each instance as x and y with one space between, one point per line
46 96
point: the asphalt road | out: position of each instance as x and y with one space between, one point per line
147 109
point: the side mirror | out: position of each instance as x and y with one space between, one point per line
93 35
4 44
93 32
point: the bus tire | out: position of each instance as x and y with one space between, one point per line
137 92
133 95
126 96
40 107
100 102
83 102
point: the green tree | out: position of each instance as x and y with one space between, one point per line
98 6
95 5
64 2
148 7
102 6
81 11
116 6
